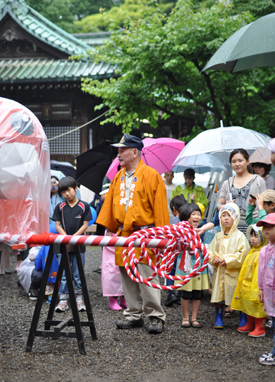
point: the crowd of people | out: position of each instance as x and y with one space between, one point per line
240 276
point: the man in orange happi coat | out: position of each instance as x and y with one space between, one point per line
136 200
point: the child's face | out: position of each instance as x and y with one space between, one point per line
259 170
269 208
194 219
188 180
168 176
175 212
269 232
226 220
254 240
54 186
69 194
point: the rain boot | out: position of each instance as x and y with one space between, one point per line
113 304
259 330
250 325
219 318
122 302
243 319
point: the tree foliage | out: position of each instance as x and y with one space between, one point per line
257 8
57 11
160 61
65 13
120 14
84 8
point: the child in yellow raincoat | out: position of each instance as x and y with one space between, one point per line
246 293
227 252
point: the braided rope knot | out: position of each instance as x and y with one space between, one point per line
182 237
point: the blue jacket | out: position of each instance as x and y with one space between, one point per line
40 262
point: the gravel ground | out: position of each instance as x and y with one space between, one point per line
177 354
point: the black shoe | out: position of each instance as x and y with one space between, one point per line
33 294
8 272
98 270
156 325
171 299
129 324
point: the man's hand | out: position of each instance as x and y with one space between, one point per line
261 295
192 196
223 263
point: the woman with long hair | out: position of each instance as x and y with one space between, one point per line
237 189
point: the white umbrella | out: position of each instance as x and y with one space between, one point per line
201 163
220 142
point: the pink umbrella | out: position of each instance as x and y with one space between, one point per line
159 153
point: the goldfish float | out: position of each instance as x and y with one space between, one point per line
24 173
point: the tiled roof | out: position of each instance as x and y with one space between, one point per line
24 70
41 28
93 39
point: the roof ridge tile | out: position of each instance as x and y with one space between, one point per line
49 69
30 20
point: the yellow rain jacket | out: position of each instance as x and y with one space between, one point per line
232 248
246 294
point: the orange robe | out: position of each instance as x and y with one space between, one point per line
147 205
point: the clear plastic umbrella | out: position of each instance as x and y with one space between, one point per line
220 142
201 163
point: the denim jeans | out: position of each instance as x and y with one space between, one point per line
63 290
273 322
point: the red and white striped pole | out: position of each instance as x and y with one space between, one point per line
166 243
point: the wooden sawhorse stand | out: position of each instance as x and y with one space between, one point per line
70 321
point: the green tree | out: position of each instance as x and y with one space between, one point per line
257 8
121 14
86 8
159 62
57 11
64 13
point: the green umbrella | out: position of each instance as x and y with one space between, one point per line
252 46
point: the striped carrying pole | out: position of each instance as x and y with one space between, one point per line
166 243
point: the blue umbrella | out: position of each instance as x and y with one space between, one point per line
58 174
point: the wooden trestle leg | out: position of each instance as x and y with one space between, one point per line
69 321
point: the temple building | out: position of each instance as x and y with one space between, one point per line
35 70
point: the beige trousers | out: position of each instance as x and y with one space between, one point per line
141 299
